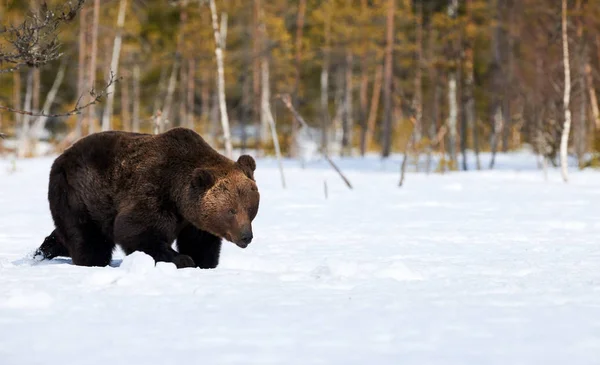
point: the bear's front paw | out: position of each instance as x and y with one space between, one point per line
182 261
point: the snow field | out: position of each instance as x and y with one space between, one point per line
490 267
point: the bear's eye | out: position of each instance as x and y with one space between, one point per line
232 211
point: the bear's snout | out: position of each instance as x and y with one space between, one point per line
245 238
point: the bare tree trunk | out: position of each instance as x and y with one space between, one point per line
214 116
452 96
93 61
436 111
592 93
464 130
564 140
265 123
257 43
298 58
469 107
136 98
125 105
418 98
157 119
340 106
432 111
364 106
348 118
324 104
246 108
114 67
580 132
183 94
165 116
219 41
299 30
540 144
81 82
364 84
409 141
17 96
581 128
205 97
509 81
335 129
36 90
28 100
40 122
387 80
161 91
184 71
497 82
266 111
35 107
23 145
375 96
497 129
191 92
325 118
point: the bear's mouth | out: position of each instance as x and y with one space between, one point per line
241 243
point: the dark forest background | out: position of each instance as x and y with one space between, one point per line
368 76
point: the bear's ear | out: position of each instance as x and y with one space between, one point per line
247 161
248 165
203 179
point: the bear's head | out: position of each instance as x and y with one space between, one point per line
228 201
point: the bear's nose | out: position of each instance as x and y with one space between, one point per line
246 238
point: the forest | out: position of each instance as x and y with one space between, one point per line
421 78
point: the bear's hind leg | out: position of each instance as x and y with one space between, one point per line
51 248
88 246
203 247
75 229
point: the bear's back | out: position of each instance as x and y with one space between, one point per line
187 146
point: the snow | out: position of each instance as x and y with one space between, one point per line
488 267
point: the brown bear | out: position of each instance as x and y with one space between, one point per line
143 192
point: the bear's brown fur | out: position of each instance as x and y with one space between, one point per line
145 191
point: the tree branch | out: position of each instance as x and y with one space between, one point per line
96 98
34 42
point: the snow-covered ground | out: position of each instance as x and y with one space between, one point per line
491 267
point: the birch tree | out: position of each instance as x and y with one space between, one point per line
267 115
564 140
136 98
387 80
114 66
452 93
93 62
221 80
469 107
325 117
496 83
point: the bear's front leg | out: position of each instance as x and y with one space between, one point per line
133 235
203 247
